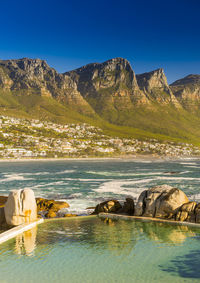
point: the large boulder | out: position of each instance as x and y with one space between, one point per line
20 207
108 207
160 201
187 212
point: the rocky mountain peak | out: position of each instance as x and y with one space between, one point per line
190 79
154 84
187 91
26 69
153 79
113 73
24 64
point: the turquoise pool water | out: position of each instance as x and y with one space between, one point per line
93 250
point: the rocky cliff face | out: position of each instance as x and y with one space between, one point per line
154 85
187 91
29 87
35 76
111 85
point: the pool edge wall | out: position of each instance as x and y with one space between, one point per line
146 219
13 232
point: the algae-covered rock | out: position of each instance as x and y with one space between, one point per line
3 200
70 215
51 214
46 205
107 207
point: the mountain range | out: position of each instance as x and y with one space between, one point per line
108 95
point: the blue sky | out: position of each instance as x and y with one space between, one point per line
68 34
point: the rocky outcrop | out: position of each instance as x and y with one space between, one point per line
154 85
50 208
70 215
187 212
109 87
20 207
161 201
108 207
187 91
34 76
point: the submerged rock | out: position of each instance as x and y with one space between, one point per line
160 201
20 207
108 206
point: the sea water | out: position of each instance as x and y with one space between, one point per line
86 183
89 249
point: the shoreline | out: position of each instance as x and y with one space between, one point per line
133 157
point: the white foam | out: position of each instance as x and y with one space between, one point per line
119 187
195 197
14 177
188 163
125 174
36 174
65 172
75 195
79 205
49 184
192 166
178 178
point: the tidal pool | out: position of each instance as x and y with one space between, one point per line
89 249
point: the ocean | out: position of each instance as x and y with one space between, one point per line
85 183
88 249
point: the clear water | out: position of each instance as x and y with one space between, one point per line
86 183
92 250
89 249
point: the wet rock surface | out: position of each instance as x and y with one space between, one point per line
50 208
110 206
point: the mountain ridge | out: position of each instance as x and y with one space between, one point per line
109 94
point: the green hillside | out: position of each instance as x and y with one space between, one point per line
107 95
